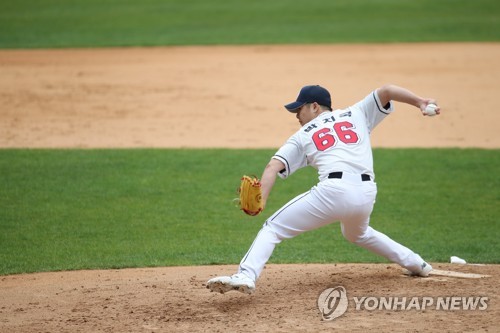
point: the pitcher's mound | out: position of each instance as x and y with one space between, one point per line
175 299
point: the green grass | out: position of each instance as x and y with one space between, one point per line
85 209
97 23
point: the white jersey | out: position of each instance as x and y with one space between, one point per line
336 140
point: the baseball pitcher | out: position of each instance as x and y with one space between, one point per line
337 144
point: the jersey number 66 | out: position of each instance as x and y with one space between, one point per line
324 139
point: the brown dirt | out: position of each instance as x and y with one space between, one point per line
175 299
233 97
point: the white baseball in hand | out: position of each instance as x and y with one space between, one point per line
430 109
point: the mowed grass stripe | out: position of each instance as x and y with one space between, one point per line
97 23
77 209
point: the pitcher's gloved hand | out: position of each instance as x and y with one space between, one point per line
251 196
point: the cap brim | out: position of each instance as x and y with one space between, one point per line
293 107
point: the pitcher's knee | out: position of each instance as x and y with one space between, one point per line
355 238
351 238
281 232
272 234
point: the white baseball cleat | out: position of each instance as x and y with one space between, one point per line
424 271
239 282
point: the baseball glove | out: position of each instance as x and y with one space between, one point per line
250 196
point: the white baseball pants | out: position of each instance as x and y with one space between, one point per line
348 200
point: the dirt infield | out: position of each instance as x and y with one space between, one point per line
175 300
233 97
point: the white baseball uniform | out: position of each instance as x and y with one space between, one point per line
337 144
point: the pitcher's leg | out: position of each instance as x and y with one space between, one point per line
259 253
365 236
305 212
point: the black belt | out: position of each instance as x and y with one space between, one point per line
338 174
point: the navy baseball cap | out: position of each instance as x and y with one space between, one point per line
311 94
